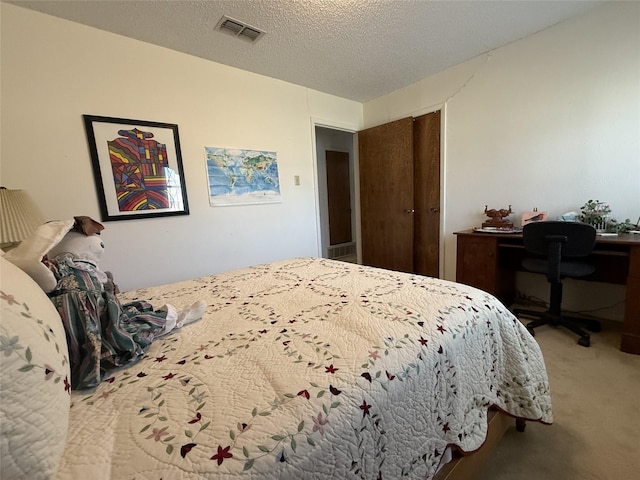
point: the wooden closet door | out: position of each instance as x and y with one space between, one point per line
426 145
386 195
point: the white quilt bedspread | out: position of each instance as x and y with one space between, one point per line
309 368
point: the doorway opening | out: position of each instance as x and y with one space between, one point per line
335 160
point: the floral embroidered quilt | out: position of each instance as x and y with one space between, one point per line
309 369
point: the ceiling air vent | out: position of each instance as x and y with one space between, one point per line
239 29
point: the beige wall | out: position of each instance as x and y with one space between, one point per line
54 71
550 121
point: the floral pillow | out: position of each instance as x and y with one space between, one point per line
34 378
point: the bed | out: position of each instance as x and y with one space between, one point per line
303 368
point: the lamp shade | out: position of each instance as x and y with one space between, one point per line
19 216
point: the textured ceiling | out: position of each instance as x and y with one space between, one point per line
355 49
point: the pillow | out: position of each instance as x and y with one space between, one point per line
28 255
34 379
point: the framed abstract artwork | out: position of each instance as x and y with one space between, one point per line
137 167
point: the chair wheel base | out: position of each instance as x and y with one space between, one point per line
572 323
594 327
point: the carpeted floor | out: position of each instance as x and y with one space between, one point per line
596 407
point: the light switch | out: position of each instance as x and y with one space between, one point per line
296 180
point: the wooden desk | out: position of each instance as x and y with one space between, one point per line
489 261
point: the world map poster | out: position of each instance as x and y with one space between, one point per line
241 177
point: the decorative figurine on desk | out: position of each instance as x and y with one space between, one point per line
533 216
497 218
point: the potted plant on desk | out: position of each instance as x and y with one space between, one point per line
595 213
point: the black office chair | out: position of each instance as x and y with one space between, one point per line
557 248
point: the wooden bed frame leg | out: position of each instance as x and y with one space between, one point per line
466 467
521 423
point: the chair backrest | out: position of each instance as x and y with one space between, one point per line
579 238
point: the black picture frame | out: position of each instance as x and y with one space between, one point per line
137 168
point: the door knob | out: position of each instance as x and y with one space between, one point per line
434 210
410 211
